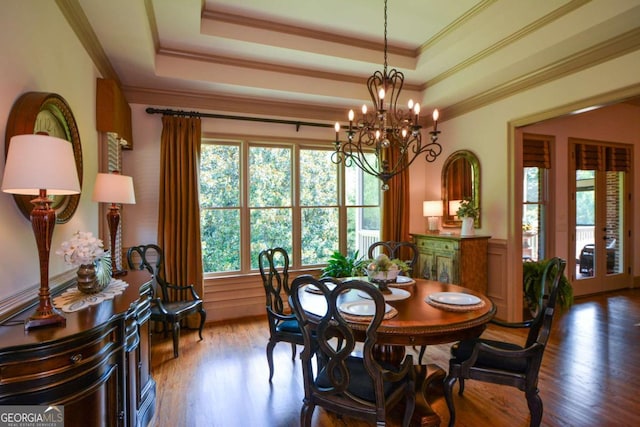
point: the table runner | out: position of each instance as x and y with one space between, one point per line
73 299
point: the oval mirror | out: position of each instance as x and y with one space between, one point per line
460 180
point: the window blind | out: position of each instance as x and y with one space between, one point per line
602 158
536 153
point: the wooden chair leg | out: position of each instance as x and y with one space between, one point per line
293 351
176 338
534 402
421 355
306 413
203 317
449 382
270 346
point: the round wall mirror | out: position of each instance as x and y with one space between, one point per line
48 113
460 180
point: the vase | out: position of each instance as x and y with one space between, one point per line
467 226
87 279
383 278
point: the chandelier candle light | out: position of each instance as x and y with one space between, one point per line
389 132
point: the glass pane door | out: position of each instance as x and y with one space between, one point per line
599 231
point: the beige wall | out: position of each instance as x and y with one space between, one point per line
41 53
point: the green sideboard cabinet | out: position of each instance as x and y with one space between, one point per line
461 260
97 367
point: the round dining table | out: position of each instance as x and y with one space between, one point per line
419 321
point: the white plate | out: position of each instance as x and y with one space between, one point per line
315 290
395 295
400 280
403 280
455 298
361 308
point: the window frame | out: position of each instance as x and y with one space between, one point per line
296 146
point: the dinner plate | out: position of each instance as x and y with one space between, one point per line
361 308
395 295
403 280
316 290
455 298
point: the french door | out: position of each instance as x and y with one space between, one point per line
600 177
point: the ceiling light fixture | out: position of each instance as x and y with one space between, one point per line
385 129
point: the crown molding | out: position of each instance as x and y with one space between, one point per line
605 51
78 21
523 32
456 25
312 34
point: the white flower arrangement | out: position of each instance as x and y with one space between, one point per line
382 263
82 248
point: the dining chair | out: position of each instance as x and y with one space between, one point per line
399 250
176 302
283 325
343 382
508 363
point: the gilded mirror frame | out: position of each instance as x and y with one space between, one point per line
466 167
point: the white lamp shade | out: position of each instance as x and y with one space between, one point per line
114 188
454 205
432 208
40 162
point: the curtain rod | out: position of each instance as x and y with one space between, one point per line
245 118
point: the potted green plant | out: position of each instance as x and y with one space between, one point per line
468 213
339 265
532 286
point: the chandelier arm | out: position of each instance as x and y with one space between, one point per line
357 156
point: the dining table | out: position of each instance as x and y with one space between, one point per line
426 312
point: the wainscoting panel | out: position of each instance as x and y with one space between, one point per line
498 289
227 298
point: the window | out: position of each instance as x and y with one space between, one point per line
534 214
536 155
256 195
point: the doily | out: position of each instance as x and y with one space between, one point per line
73 299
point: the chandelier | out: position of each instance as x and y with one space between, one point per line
389 132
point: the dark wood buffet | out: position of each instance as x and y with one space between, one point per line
97 367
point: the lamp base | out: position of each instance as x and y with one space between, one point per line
433 224
45 317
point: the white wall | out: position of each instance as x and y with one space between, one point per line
41 53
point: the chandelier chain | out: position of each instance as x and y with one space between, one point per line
385 38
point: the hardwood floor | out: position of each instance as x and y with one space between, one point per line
589 377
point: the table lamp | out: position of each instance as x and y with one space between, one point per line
432 210
114 188
41 165
454 205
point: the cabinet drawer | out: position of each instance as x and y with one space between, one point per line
437 245
28 365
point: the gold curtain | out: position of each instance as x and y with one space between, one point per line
395 207
179 209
